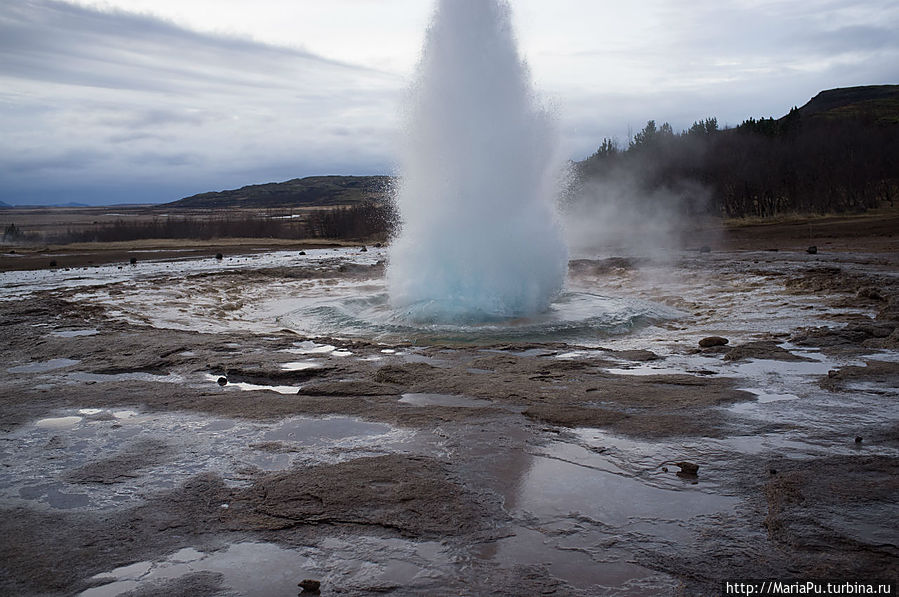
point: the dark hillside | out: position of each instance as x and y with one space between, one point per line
838 153
312 191
875 102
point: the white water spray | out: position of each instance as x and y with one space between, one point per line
480 239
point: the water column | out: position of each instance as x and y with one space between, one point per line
480 238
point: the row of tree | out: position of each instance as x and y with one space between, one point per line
762 167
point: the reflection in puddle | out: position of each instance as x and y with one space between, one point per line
249 387
578 505
246 568
58 422
114 377
449 400
301 365
356 565
43 366
310 431
74 333
39 459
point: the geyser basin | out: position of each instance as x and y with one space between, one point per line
578 317
480 240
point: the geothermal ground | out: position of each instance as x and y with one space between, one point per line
449 463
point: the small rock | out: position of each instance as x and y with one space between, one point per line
363 249
687 469
219 256
133 260
705 249
858 439
302 252
712 341
223 381
378 245
772 471
664 469
52 263
812 250
310 587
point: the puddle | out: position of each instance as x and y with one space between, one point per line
81 376
58 422
358 565
43 366
249 387
301 365
577 512
39 460
312 431
449 400
246 568
579 569
74 333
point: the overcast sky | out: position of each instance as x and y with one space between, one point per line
152 100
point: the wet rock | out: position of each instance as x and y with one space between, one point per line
763 349
637 355
378 245
301 253
869 292
52 263
219 256
411 495
687 469
858 439
812 250
364 249
223 381
712 341
310 587
133 260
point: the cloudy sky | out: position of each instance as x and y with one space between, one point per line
151 100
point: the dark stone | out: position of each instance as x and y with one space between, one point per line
310 587
378 245
687 469
219 256
223 381
812 250
705 249
712 341
363 249
302 252
52 263
772 471
858 439
664 469
133 260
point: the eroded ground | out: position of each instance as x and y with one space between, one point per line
173 428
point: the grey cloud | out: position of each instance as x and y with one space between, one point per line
52 41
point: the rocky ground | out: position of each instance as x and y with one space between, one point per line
164 435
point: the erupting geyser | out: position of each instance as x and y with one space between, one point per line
480 239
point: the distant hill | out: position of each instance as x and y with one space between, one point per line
878 103
312 191
838 153
5 205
